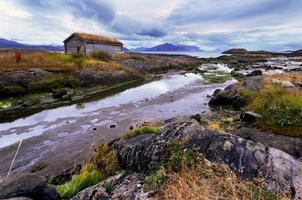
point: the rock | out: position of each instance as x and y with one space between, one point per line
255 73
28 185
59 93
231 95
112 126
250 116
31 102
290 145
280 171
197 117
130 188
235 51
18 198
98 191
284 84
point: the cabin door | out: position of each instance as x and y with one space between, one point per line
78 50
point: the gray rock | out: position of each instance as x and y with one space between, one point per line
131 188
28 185
98 191
231 95
290 145
281 172
250 116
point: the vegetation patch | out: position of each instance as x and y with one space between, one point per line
157 178
103 164
281 109
6 103
141 131
88 176
38 167
103 56
215 77
48 84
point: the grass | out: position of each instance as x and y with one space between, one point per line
211 182
48 84
6 103
88 176
281 109
101 55
141 131
103 164
157 178
56 62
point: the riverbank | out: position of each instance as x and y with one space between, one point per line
48 80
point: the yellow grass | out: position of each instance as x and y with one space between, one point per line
213 182
58 62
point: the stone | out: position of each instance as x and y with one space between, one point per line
250 116
281 172
112 126
284 84
290 145
59 93
255 73
28 185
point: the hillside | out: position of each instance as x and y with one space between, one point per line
9 44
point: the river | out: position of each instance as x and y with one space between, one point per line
66 136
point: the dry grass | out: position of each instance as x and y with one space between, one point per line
212 182
295 78
56 62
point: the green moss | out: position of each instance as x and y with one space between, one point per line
38 167
49 83
87 177
6 103
280 108
141 131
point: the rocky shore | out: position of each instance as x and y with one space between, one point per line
247 147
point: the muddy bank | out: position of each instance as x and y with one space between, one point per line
64 137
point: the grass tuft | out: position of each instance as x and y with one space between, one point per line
88 176
103 56
141 131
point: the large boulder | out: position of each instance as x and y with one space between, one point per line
231 95
290 145
28 185
281 172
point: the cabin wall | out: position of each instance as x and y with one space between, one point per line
72 44
95 47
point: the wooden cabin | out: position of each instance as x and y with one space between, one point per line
87 44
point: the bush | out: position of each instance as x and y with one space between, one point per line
87 177
103 56
280 108
141 131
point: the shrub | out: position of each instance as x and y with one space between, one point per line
101 55
141 131
87 177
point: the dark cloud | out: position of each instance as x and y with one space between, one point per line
125 25
98 10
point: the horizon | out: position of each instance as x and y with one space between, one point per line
211 25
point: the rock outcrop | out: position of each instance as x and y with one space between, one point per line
231 95
281 172
28 185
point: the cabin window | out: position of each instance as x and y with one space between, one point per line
78 50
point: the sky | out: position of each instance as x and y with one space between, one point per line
212 25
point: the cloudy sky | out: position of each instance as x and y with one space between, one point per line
208 24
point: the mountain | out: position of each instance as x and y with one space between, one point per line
125 49
9 44
139 49
172 47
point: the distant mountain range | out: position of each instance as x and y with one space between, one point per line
168 47
9 44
